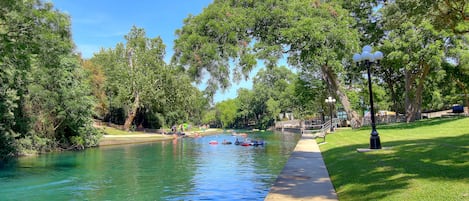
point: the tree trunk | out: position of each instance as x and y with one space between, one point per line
392 90
419 90
465 91
335 86
418 100
414 94
409 115
132 113
133 109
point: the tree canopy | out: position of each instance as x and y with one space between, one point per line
315 36
45 101
141 85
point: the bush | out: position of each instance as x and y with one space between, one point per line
25 146
90 136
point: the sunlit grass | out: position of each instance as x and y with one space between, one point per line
428 160
114 131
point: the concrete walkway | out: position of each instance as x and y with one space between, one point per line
304 176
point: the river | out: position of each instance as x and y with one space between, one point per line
183 169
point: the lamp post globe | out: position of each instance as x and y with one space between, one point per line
367 58
331 102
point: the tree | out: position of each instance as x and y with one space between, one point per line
16 36
309 92
315 36
97 80
210 117
133 71
180 100
44 99
150 92
442 14
418 50
226 112
245 107
273 89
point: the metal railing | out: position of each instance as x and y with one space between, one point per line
307 126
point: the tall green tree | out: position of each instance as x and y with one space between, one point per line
44 101
149 91
133 71
16 40
415 50
273 88
245 107
226 112
314 35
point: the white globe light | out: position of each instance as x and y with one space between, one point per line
367 56
357 58
367 48
378 55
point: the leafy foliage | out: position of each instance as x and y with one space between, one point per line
272 94
44 100
150 92
226 112
315 36
443 14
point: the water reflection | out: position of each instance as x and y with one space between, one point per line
183 169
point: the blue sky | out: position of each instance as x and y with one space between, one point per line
103 23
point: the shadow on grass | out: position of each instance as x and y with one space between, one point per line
377 175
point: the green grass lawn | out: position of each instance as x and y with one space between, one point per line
114 131
429 160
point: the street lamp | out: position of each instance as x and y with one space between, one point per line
331 102
367 58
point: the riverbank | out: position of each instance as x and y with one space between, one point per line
141 137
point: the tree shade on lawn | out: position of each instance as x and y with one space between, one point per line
428 160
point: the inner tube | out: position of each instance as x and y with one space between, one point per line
245 144
213 142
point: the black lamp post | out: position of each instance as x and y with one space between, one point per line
331 102
367 58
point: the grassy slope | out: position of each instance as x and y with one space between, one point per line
429 160
116 136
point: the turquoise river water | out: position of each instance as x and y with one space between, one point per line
183 169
